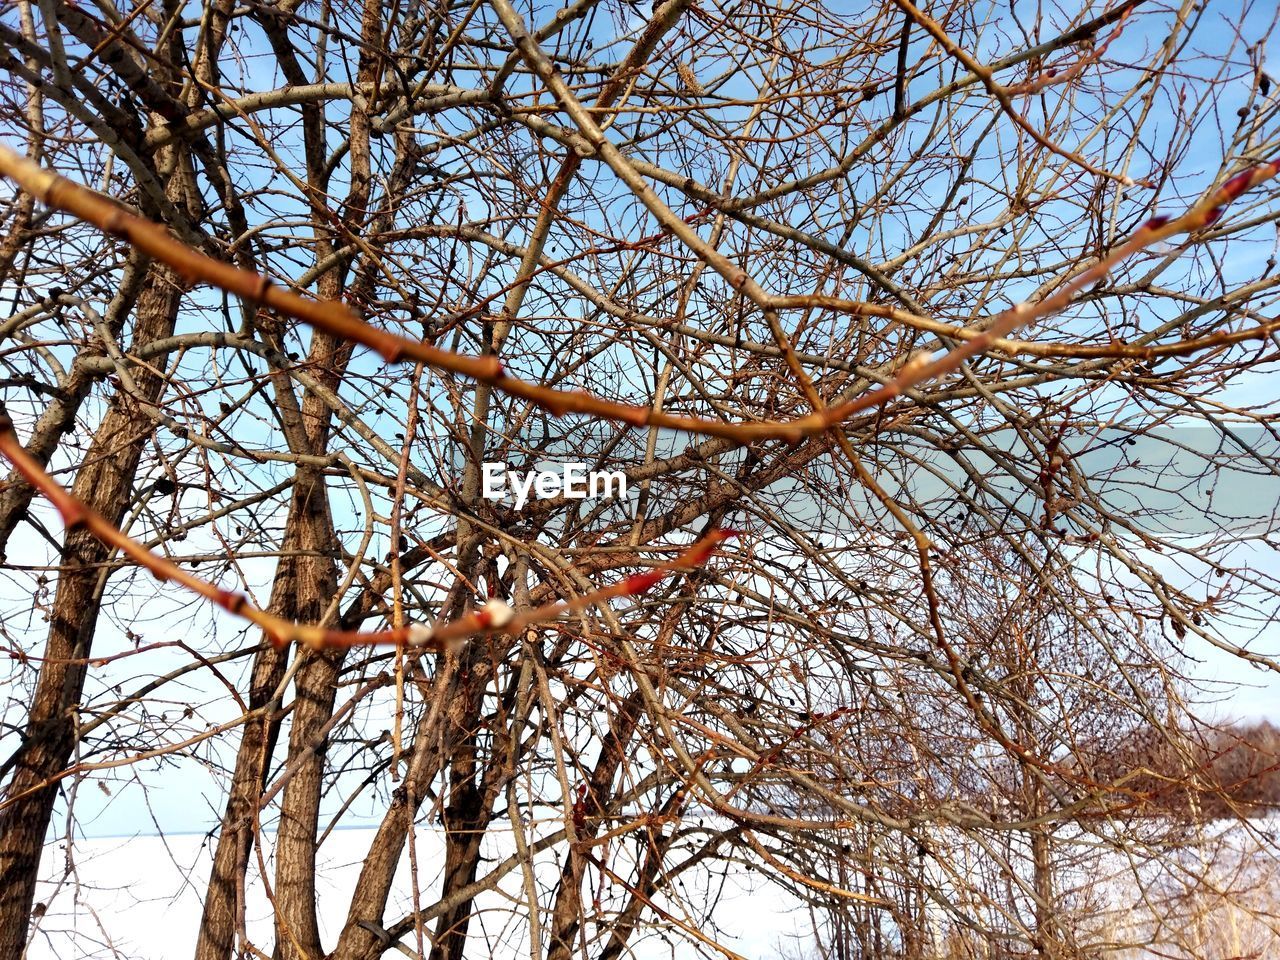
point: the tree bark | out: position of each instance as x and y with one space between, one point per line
310 582
104 483
297 592
566 914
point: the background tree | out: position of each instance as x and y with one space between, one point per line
961 316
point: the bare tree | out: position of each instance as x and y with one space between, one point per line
931 342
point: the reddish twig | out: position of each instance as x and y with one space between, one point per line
493 617
341 321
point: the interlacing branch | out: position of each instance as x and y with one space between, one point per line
493 616
339 320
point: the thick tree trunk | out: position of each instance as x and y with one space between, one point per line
357 941
302 588
1047 942
447 730
465 821
297 929
296 593
567 912
221 906
104 483
466 817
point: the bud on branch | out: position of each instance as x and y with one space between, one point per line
495 616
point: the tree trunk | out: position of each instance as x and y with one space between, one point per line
296 593
104 483
566 913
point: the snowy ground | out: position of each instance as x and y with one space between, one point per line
140 898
